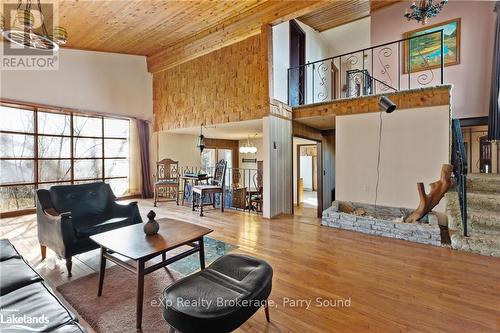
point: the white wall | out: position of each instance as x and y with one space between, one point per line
178 147
319 45
316 44
281 60
306 166
414 145
471 79
259 155
89 81
348 37
316 49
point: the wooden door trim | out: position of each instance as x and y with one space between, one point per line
319 173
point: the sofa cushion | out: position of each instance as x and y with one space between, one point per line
14 274
7 250
219 298
91 224
35 301
81 199
243 271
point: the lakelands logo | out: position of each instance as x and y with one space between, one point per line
12 320
28 32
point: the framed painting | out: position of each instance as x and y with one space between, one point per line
424 52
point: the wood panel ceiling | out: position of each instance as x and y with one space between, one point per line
230 31
142 27
172 32
337 13
342 12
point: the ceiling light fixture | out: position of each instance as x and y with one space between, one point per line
248 148
201 140
23 31
424 10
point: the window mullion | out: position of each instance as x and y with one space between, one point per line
35 148
72 142
102 140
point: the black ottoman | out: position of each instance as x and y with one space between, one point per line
221 297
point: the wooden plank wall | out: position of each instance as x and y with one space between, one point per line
303 131
227 85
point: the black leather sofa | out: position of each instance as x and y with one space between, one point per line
68 215
27 304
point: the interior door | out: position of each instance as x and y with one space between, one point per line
319 175
296 75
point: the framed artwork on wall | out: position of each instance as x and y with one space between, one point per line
424 52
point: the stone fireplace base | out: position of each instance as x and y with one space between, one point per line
385 221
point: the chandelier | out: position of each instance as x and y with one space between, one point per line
248 148
23 32
424 10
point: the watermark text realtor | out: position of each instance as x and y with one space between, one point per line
29 36
36 62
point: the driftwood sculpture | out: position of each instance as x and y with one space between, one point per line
436 193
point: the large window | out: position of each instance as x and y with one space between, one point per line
42 147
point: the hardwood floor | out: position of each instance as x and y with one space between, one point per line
392 285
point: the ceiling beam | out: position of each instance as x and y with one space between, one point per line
232 30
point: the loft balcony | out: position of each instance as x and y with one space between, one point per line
405 64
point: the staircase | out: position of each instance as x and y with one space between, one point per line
483 215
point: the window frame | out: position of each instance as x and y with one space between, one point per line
36 109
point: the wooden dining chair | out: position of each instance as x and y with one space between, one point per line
166 181
256 199
217 186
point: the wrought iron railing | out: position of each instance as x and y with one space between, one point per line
405 64
460 169
239 183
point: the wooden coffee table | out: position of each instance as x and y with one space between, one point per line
132 243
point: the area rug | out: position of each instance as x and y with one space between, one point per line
213 249
115 311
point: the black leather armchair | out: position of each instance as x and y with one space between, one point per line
68 215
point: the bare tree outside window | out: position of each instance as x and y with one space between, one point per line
42 147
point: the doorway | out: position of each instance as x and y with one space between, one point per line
210 157
307 178
296 79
